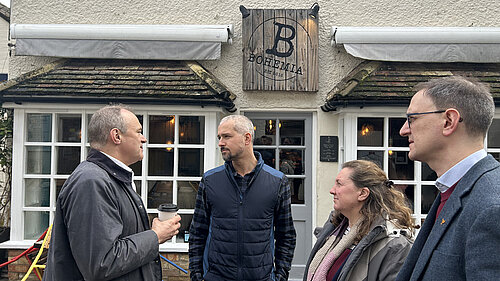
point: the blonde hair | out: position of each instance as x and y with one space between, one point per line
383 201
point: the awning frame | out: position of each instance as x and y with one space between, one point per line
164 42
420 44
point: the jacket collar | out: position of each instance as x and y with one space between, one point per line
260 163
228 167
435 230
103 161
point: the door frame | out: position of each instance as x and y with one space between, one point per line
307 211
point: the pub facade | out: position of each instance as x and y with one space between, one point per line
318 91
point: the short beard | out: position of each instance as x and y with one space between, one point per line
227 157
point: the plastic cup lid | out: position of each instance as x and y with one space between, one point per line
168 207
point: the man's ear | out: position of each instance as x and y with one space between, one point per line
452 118
115 136
248 139
364 192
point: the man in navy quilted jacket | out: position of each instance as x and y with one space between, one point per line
242 228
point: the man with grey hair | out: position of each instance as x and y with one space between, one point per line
242 228
101 229
447 121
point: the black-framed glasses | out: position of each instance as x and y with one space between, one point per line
408 115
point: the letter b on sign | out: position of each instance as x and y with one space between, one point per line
278 38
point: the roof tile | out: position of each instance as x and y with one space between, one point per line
168 82
392 83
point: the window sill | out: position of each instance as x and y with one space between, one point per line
23 244
174 248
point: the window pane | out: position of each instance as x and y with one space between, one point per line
59 185
376 157
138 187
186 194
190 162
409 192
495 155
68 158
37 193
292 161
395 139
192 129
370 131
265 132
38 159
297 189
267 156
494 134
287 166
427 173
183 235
35 224
159 192
137 168
400 166
429 193
161 129
39 127
89 116
161 162
291 132
69 128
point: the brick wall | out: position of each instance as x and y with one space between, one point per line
170 272
18 269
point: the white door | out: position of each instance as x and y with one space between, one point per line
285 142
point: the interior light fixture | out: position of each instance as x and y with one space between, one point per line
314 11
366 130
244 11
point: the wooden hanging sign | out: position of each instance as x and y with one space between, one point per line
280 50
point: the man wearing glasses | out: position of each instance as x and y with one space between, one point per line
447 121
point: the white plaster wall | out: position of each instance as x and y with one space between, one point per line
334 62
4 49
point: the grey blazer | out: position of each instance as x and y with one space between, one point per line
464 242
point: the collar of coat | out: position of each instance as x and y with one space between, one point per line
383 227
256 170
101 160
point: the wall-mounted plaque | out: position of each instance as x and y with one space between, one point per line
328 148
280 50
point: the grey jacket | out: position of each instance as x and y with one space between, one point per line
464 242
377 257
101 229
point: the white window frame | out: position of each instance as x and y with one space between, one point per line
209 147
348 135
492 150
348 147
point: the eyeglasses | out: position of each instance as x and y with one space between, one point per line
409 115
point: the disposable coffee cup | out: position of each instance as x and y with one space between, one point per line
167 211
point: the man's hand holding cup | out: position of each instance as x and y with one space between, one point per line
168 222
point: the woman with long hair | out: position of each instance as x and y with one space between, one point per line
368 235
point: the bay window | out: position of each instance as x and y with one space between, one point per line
50 143
376 138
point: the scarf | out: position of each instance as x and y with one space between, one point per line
334 246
